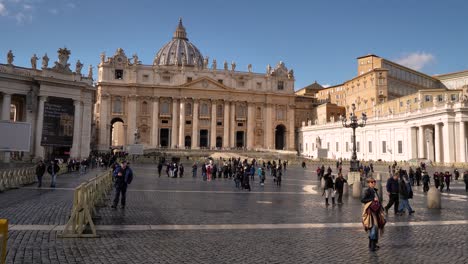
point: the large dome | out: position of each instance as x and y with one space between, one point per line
179 51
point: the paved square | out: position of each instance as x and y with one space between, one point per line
188 220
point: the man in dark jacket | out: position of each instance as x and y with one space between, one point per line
53 169
465 179
329 189
339 185
393 189
123 176
40 170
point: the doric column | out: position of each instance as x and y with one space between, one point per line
6 106
233 125
75 150
195 124
182 124
131 119
175 117
290 142
155 123
462 144
213 125
103 122
421 152
250 126
437 147
448 142
268 126
85 147
38 149
226 125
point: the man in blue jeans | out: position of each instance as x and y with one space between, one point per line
123 176
393 190
53 169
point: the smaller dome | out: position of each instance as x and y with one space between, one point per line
179 51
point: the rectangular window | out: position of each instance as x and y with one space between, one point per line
384 146
165 121
415 99
428 98
337 146
401 104
259 85
370 146
188 122
280 85
241 84
119 74
145 77
400 147
358 147
219 123
166 79
453 97
440 98
328 145
347 147
220 81
240 124
189 79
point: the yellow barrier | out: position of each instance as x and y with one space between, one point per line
14 178
86 197
3 239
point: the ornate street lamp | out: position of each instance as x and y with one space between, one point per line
353 123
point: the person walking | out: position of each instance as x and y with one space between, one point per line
194 170
329 189
436 180
448 179
373 218
426 181
279 175
53 169
40 170
405 193
393 189
160 166
263 176
181 170
339 186
465 179
123 176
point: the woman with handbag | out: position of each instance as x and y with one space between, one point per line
373 216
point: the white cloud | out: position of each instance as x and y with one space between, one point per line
326 85
416 60
27 7
3 10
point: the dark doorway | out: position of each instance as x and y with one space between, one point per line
164 137
188 142
219 142
240 139
203 138
280 132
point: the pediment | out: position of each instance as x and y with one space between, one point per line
206 83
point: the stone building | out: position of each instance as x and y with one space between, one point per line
56 101
417 116
183 100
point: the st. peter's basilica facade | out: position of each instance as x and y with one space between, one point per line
184 101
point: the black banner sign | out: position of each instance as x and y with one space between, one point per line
57 129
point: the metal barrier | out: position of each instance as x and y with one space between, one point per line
14 178
87 197
3 239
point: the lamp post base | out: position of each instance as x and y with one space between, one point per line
354 165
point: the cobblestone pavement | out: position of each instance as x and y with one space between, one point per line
190 201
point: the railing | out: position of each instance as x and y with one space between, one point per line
87 197
3 239
14 178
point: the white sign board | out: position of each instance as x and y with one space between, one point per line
135 149
15 136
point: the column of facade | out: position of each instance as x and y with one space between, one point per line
462 143
448 142
268 126
38 149
250 126
6 104
131 114
195 124
155 124
226 125
103 122
213 125
233 125
437 146
175 118
290 142
75 150
421 152
85 147
182 124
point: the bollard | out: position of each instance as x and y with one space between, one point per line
3 239
433 199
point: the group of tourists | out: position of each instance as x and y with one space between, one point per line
52 168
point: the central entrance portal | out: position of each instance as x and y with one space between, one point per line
240 139
203 138
164 137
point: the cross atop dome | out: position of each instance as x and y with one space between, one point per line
180 32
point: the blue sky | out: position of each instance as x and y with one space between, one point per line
320 40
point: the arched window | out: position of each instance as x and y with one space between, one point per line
144 108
